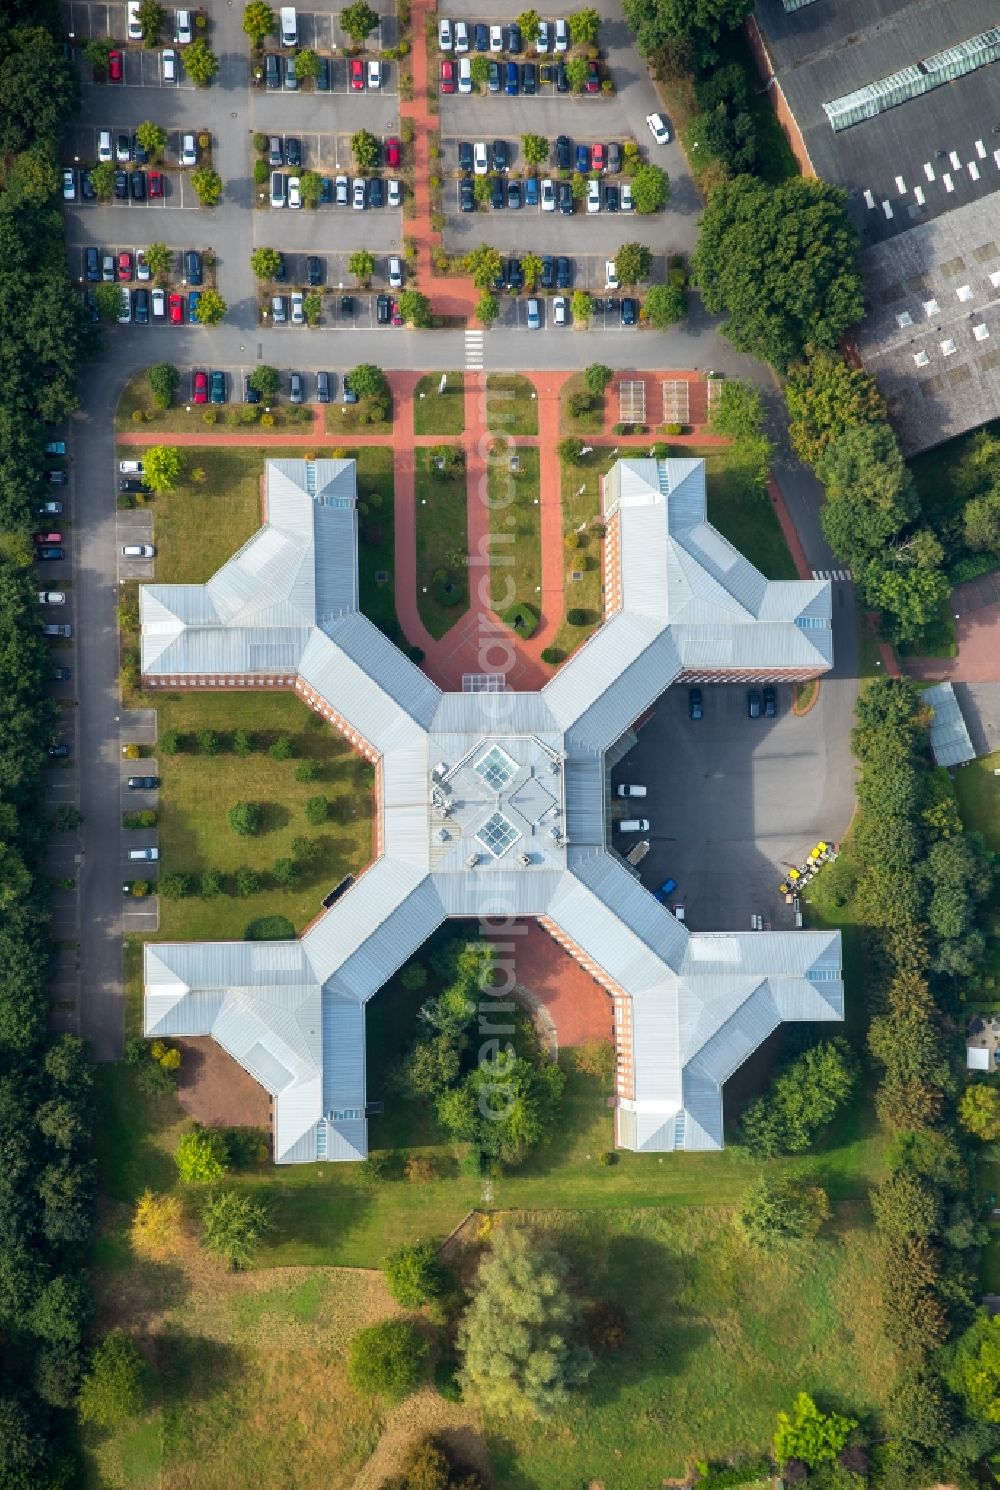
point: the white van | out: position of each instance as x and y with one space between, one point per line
169 60
130 467
634 825
395 273
134 23
627 790
277 189
289 27
105 151
182 27
145 854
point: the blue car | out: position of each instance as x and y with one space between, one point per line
513 82
531 191
193 299
666 890
583 159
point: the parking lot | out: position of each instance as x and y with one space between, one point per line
733 802
320 31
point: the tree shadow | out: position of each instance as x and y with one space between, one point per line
273 815
193 1366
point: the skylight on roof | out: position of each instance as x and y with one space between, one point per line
496 768
497 834
910 82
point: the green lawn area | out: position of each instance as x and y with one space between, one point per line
376 535
442 544
590 423
578 507
197 792
345 419
744 515
515 536
187 418
978 792
511 408
437 413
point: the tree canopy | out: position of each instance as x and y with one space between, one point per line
387 1359
699 22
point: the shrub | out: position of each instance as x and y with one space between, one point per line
317 810
208 742
578 617
306 771
281 749
157 1226
522 618
269 929
242 743
235 1222
387 1360
244 818
286 873
210 884
170 743
247 882
113 1388
175 886
413 1275
552 655
202 1155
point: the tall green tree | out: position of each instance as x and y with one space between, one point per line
258 20
700 23
114 1387
808 1434
200 62
387 1360
38 87
826 397
358 20
162 466
235 1223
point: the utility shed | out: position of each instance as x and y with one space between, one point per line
950 742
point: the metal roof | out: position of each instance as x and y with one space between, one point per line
949 733
491 805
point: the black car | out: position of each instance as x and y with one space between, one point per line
314 270
139 154
61 675
770 703
498 197
696 708
529 77
630 310
564 197
376 197
324 387
57 478
515 275
465 157
753 704
137 181
250 394
132 483
87 190
272 71
564 273
481 37
614 157
513 193
514 43
326 190
143 783
121 186
547 278
347 305
562 78
293 151
564 152
140 307
500 159
466 196
279 273
494 78
92 261
58 752
90 307
322 83
192 266
610 198
383 313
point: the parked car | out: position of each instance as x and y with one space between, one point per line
279 309
182 27
461 36
294 192
291 75
92 265
560 36
593 196
121 186
593 84
529 77
497 197
58 752
534 314
564 273
314 270
395 272
633 825
560 311
630 310
176 309
61 675
192 266
143 783
447 75
272 71
48 509
199 385
322 81
43 537
296 388
293 152
481 37
753 703
480 158
666 889
145 855
87 189
123 147
565 198
124 267
217 388
189 150
626 196
446 37
116 67
125 314
374 73
466 196
382 310
133 483
598 158
104 146
547 278
69 185
493 77
394 192
515 275
614 158
531 191
658 128
544 38
194 299
323 387
496 38
297 301
696 709
393 153
51 597
359 193
140 307
342 191
137 182
168 62
464 75
512 82
500 157
154 182
137 550
629 789
348 395
513 193
357 74
375 192
583 159
50 552
770 703
250 393
57 630
514 43
548 195
610 197
57 478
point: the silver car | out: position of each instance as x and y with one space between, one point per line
359 194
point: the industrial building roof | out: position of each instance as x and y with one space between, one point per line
951 744
492 804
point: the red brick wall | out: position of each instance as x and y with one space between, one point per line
779 103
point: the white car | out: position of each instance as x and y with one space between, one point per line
548 195
534 314
342 191
359 194
395 272
104 151
657 128
159 298
461 37
446 38
394 193
560 306
611 276
480 158
182 28
189 151
69 185
374 73
131 467
123 148
138 551
168 60
142 270
496 38
134 23
126 310
561 37
626 196
294 192
51 597
465 75
593 196
298 308
544 38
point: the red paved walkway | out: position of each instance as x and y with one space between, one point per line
580 1008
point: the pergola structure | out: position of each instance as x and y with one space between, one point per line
490 804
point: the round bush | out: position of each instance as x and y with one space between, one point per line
269 929
577 617
522 618
552 655
387 1359
447 590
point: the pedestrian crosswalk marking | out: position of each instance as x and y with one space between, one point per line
474 350
841 574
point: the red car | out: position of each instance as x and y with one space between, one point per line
115 72
392 153
397 316
201 388
447 76
599 158
357 74
124 266
154 180
46 538
176 304
593 78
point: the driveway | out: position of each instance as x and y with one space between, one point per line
734 802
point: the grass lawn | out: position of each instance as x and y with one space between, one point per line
515 535
745 516
978 792
377 542
439 413
136 397
442 543
585 593
345 419
590 423
511 408
198 790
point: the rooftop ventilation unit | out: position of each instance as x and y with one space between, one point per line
471 861
440 771
524 860
442 835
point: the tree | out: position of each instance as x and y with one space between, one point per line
650 188
161 467
38 86
916 1409
632 263
109 300
157 1226
174 886
979 1111
265 381
387 1360
361 264
413 1275
808 1434
981 522
826 397
281 748
102 178
247 883
62 1121
803 1097
200 62
151 18
730 138
286 872
518 1340
580 306
484 263
152 137
488 308
208 742
306 64
775 1209
358 20
906 1205
585 27
113 1389
244 818
665 305
235 1223
210 884
202 1155
369 381
781 261
535 149
211 308
266 262
597 376
531 268
160 259
62 1309
576 73
310 187
972 1368
700 23
432 1067
570 450
164 380
910 599
415 308
243 743
208 184
317 811
258 20
33 176
528 23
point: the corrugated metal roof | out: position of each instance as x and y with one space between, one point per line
951 743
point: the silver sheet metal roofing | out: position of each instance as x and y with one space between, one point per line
491 805
951 743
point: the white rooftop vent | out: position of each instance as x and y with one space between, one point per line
555 832
921 359
918 193
995 279
524 860
471 861
948 347
904 319
964 292
931 308
887 209
980 332
440 771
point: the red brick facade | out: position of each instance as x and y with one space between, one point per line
779 102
